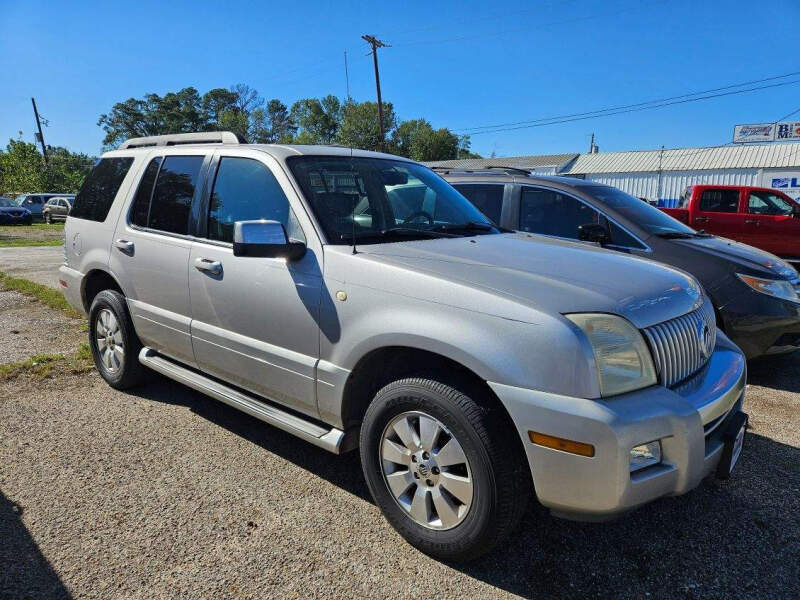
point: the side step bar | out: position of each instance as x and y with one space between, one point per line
329 439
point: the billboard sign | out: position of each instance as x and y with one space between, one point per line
761 132
787 131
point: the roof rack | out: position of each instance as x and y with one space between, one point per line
519 170
179 139
512 169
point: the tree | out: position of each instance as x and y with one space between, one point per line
359 126
22 169
417 140
272 125
317 120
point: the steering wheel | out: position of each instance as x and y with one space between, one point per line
419 213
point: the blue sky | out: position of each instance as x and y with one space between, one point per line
458 64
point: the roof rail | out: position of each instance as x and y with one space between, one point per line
179 139
512 169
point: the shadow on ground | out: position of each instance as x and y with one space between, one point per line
738 538
777 372
23 568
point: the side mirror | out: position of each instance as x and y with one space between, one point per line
796 211
592 232
266 239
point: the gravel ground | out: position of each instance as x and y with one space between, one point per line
36 263
165 493
27 327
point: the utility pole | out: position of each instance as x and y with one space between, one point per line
591 144
660 170
40 136
376 43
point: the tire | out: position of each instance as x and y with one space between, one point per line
114 343
47 218
494 464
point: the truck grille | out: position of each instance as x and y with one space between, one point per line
683 345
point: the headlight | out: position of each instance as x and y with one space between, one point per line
623 359
779 288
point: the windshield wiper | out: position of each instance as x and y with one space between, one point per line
468 226
409 232
675 235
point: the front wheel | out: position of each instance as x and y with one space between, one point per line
444 467
47 218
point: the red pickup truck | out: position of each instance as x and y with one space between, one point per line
761 217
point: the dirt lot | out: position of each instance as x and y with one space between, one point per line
165 493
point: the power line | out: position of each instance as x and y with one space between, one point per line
794 112
639 109
625 106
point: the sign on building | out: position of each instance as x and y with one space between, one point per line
767 132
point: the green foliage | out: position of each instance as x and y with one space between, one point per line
359 126
317 120
22 169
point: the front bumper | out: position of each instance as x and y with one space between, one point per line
9 219
760 324
688 420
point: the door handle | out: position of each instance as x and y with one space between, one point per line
751 222
702 219
209 266
124 245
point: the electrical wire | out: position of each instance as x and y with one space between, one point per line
631 110
794 112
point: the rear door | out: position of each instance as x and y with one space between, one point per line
718 212
151 247
770 225
255 319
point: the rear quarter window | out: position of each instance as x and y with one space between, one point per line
97 194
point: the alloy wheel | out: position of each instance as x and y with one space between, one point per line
108 336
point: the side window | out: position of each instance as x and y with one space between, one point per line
100 188
623 239
487 198
173 193
246 190
726 201
551 213
764 203
141 204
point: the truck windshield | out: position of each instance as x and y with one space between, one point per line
375 200
643 214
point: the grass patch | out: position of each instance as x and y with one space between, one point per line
42 366
42 293
21 242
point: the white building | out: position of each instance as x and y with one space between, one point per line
662 175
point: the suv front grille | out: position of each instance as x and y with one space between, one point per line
683 345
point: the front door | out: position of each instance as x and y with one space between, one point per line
254 319
769 224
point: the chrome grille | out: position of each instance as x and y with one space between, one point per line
681 346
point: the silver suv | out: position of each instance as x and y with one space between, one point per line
355 299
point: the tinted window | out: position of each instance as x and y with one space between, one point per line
623 239
246 190
550 213
141 204
765 203
720 201
634 210
172 196
100 188
487 198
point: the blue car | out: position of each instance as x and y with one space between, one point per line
11 214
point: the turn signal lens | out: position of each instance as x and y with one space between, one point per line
557 443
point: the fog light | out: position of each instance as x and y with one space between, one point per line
645 455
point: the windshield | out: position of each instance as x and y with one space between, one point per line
6 202
372 199
641 213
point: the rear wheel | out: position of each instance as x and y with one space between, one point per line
114 343
444 467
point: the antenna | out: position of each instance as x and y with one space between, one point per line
346 75
352 166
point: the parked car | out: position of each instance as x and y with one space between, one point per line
755 294
304 285
56 209
11 214
761 217
35 202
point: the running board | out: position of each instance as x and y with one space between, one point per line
329 439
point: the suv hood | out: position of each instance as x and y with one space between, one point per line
740 254
538 272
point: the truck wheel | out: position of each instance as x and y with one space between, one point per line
115 345
444 467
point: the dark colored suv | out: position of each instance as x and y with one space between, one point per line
755 293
